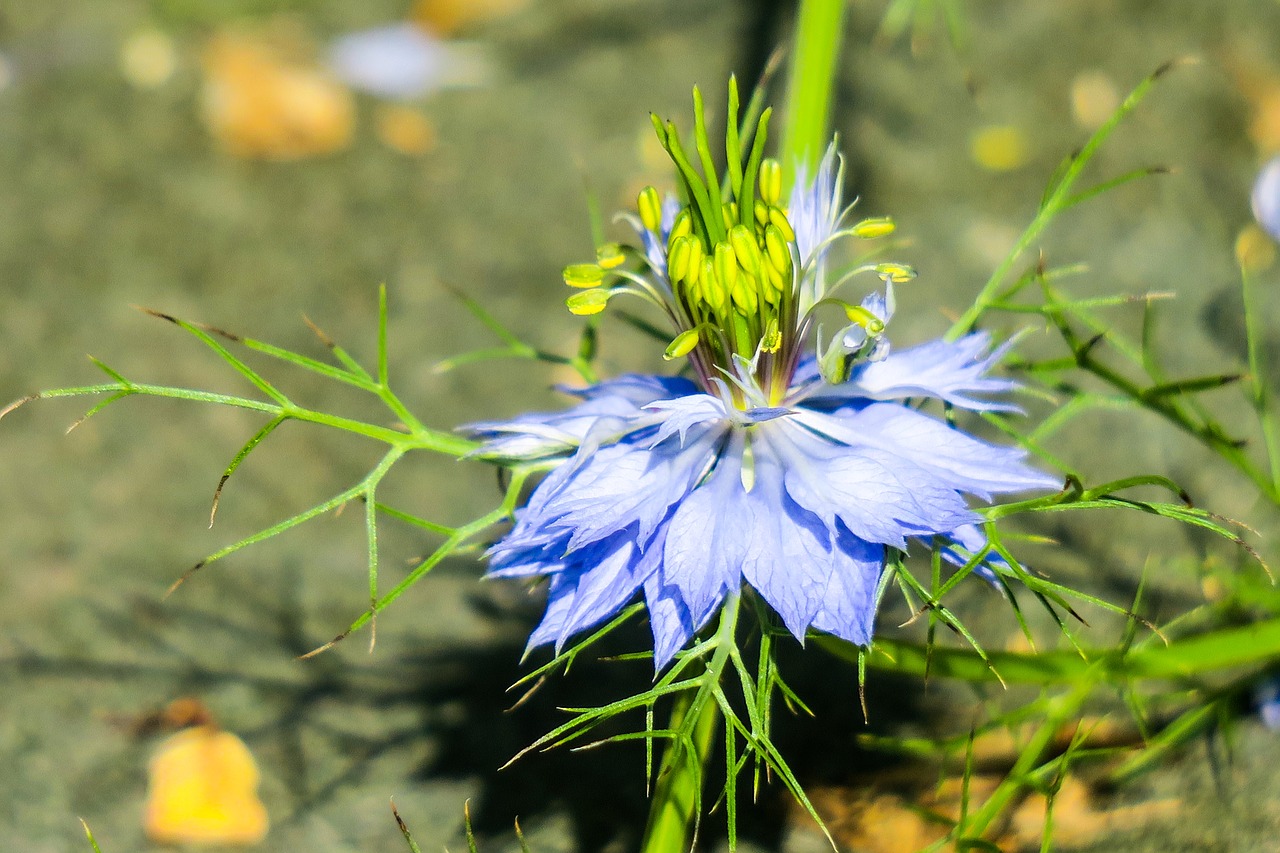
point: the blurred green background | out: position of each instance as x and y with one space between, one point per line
114 192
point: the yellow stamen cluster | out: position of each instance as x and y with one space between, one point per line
748 274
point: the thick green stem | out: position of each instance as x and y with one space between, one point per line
677 800
817 47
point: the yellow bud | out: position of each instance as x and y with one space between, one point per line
726 266
780 221
877 226
761 212
678 257
693 265
770 181
588 301
610 255
729 215
744 246
650 206
682 345
583 275
864 318
779 283
683 224
712 288
894 272
777 247
744 295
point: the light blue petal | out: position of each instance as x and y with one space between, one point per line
684 413
707 536
668 619
950 371
788 558
602 589
848 608
622 485
957 459
879 496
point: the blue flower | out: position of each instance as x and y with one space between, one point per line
661 499
784 465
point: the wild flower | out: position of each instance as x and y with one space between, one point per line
781 462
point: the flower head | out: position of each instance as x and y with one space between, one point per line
784 463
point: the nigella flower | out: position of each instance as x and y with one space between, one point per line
784 463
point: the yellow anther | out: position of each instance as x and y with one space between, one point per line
682 226
583 275
610 255
745 247
649 203
712 288
779 220
682 345
761 212
588 301
779 282
778 249
693 265
894 272
729 215
744 295
877 226
864 318
770 181
678 257
726 263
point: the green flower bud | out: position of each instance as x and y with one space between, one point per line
649 203
761 212
877 226
682 226
610 256
588 302
894 272
746 249
682 345
864 318
770 181
780 221
778 249
726 266
583 275
678 257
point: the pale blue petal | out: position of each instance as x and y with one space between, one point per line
848 608
788 554
950 371
668 619
957 459
623 485
684 413
602 589
707 536
880 497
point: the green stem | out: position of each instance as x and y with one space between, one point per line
1257 373
819 26
677 800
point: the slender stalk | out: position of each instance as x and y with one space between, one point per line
1257 374
677 799
819 26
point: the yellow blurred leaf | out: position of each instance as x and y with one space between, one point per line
204 790
259 104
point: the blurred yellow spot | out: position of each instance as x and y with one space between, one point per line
445 17
258 104
404 129
147 58
999 148
1255 251
1093 99
204 790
